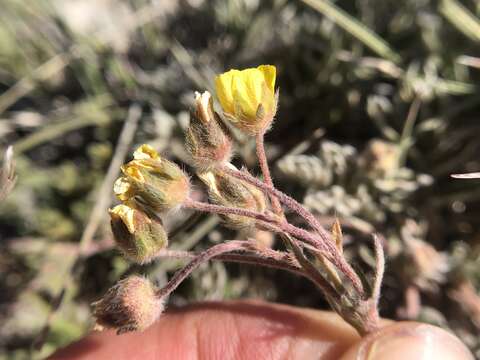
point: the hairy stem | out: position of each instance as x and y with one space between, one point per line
267 178
224 210
284 198
204 256
379 269
269 221
328 249
314 274
271 258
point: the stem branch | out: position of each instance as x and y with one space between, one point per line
204 256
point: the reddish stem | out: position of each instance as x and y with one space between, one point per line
206 255
284 198
267 178
328 249
268 258
273 223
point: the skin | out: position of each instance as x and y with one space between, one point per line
257 330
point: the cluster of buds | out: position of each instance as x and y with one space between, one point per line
150 186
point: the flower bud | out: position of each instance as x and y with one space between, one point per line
155 182
206 140
138 235
130 305
248 97
226 190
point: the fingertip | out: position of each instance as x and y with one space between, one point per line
409 340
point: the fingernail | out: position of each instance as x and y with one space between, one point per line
409 340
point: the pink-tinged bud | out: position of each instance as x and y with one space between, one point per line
226 190
139 236
155 182
205 138
130 305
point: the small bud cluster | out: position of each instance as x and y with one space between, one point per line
151 185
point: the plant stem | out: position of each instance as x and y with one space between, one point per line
224 210
206 255
328 249
267 178
379 269
284 198
326 245
273 223
260 258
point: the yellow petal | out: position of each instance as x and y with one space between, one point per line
223 87
269 74
268 99
254 81
145 152
246 103
126 214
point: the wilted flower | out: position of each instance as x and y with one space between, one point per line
130 305
154 181
206 140
229 191
248 97
138 235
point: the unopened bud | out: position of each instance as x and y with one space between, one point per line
130 305
205 138
226 190
154 181
138 235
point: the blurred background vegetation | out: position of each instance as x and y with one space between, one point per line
379 104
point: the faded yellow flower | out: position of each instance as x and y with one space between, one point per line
144 152
155 182
137 234
248 97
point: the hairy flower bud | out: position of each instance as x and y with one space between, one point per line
138 235
248 97
130 305
226 190
206 140
153 181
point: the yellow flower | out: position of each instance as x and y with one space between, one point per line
248 97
